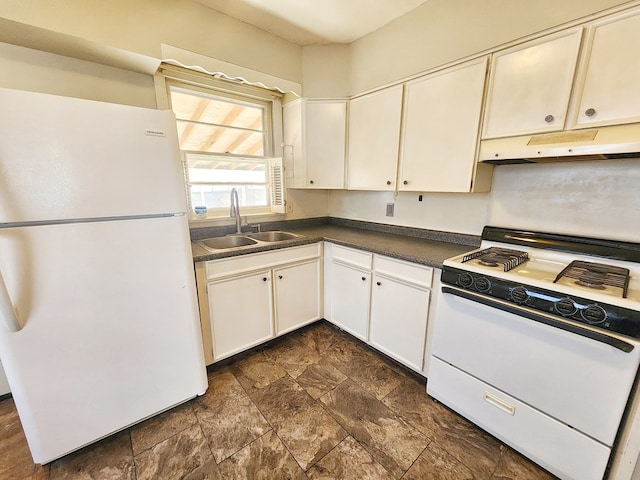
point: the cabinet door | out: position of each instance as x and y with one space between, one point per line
374 133
297 296
399 320
325 137
610 80
240 313
350 292
530 86
292 154
441 127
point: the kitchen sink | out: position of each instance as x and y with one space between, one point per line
245 240
272 236
231 241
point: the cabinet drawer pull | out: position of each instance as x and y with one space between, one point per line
311 182
499 403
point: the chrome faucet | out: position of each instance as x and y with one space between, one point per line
234 210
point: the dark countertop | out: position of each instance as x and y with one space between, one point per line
425 251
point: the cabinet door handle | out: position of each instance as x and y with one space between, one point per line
378 283
406 182
311 182
590 112
364 279
264 279
280 277
388 182
548 118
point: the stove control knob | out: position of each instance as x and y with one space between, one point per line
594 314
483 284
465 280
519 295
565 307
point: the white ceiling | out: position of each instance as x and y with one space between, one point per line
315 22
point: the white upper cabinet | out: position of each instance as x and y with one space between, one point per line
440 129
530 85
325 124
295 167
315 143
374 135
608 85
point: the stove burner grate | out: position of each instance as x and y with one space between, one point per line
597 276
495 256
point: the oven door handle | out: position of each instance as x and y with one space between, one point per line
542 318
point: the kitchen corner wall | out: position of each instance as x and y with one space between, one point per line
599 199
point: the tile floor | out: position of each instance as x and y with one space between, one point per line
316 404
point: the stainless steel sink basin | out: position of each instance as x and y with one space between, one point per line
272 236
232 241
215 244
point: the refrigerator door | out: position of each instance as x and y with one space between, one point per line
68 158
110 331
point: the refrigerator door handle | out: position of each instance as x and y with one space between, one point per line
6 308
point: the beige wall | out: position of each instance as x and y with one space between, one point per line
33 70
141 26
326 71
441 31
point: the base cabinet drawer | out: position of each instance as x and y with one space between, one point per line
563 451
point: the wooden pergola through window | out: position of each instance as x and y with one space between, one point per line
218 125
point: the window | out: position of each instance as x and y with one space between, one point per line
226 139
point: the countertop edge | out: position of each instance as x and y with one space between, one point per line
424 251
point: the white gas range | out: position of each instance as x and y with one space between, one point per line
537 340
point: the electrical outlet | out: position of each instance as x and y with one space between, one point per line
390 207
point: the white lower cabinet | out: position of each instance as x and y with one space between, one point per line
255 297
390 312
249 299
297 295
240 311
350 289
399 319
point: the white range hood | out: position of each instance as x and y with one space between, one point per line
616 141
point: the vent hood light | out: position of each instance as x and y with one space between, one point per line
604 143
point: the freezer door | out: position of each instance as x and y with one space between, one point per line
110 327
68 158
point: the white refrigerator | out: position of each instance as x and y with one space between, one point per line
99 325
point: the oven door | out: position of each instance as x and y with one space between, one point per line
580 381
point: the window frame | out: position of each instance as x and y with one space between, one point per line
171 76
